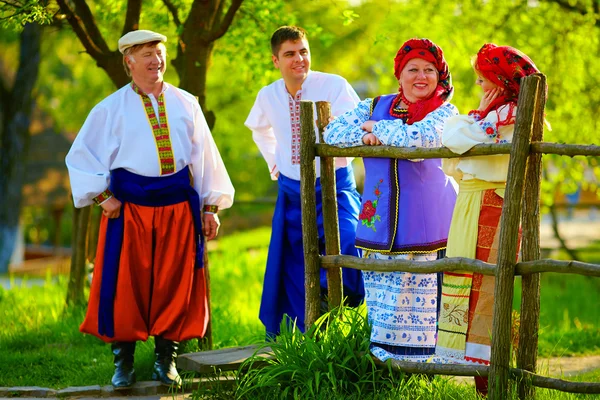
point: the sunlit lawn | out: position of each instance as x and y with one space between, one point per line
40 343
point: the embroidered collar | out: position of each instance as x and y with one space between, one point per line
160 129
139 91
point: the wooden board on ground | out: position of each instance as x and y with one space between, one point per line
55 265
228 359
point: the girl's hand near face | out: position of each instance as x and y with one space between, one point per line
488 97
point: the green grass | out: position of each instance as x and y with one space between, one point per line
569 314
40 343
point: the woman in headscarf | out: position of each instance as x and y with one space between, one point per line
407 204
467 298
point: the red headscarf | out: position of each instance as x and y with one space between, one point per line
428 51
504 66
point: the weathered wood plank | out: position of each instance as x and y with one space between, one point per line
570 150
458 263
228 359
434 369
310 233
561 267
324 150
531 89
530 287
555 383
445 264
330 211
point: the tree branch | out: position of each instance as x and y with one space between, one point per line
83 11
173 10
13 15
132 17
78 27
578 8
15 4
226 22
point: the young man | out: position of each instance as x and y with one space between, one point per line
134 156
275 124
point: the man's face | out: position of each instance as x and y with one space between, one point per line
293 60
149 65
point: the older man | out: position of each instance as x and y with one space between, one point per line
146 156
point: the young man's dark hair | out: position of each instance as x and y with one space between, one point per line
285 33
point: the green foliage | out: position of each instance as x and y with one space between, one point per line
331 360
14 14
358 40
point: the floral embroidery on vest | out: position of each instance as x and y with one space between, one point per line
160 129
369 215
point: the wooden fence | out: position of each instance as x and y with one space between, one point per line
521 208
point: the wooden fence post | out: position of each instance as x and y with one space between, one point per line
330 210
530 284
310 233
531 87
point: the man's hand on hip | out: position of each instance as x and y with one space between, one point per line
210 225
111 208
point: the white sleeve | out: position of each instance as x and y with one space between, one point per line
424 133
462 132
263 135
91 156
345 100
211 179
345 130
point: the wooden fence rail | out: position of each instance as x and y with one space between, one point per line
518 374
521 208
406 153
458 264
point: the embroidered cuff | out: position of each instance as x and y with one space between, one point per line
476 114
210 209
102 197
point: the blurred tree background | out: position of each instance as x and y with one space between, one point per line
356 39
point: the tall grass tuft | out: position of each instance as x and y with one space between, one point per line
332 359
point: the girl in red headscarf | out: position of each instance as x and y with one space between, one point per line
407 204
467 298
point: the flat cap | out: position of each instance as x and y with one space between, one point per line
139 37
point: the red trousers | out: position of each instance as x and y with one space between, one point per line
159 291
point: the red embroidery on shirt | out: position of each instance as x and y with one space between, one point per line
294 105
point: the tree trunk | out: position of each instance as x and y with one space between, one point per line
563 244
192 63
15 111
81 220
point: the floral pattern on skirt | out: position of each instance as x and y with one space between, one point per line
402 310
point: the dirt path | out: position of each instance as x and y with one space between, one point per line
568 366
555 367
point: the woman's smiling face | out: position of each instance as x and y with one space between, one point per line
418 79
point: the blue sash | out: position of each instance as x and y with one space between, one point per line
128 187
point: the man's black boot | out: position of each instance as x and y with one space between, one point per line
165 370
124 375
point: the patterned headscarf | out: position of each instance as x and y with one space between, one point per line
504 66
428 51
